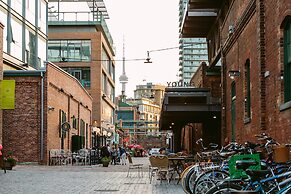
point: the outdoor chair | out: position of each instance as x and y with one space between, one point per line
54 157
82 157
159 166
133 166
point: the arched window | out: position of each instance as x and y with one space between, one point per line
287 61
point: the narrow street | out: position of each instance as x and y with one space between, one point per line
35 179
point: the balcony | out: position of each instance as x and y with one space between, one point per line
81 18
199 17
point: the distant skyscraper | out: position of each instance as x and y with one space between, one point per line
123 79
192 52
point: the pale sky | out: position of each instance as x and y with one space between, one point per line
145 25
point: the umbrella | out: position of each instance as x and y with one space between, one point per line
136 146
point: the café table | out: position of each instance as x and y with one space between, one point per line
178 164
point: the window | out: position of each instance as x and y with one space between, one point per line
82 74
62 119
247 90
82 133
69 50
287 61
104 83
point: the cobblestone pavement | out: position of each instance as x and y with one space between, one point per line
95 179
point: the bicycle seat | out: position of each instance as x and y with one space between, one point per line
257 175
213 146
244 164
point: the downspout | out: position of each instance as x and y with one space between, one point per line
262 61
42 117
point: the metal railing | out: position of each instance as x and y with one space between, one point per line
82 16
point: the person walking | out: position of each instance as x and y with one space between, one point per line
122 156
113 155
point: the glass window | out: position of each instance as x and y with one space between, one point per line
32 50
17 6
3 20
69 50
287 62
104 82
105 60
42 50
42 16
16 38
82 74
30 11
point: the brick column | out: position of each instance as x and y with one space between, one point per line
1 72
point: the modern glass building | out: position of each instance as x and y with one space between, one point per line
25 33
192 52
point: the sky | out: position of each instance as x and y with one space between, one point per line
145 25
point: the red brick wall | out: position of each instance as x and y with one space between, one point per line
278 122
21 126
244 48
65 93
259 42
21 129
201 80
1 72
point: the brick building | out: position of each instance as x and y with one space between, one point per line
44 101
83 46
251 39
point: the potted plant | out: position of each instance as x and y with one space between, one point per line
10 160
105 161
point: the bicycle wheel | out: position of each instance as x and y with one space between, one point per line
224 188
183 177
207 180
286 189
191 177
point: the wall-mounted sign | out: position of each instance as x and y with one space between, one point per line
65 127
180 84
7 94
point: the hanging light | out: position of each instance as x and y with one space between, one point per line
148 59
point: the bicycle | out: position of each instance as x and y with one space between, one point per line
258 181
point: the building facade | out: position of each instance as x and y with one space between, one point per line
252 41
80 43
155 92
192 51
25 33
45 100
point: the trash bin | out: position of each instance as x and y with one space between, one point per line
281 154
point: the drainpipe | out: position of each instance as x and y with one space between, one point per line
42 117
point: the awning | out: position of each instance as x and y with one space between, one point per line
199 17
188 105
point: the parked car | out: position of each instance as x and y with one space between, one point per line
154 151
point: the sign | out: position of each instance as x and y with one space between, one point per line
7 94
180 84
65 127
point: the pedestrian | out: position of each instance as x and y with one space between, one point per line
122 156
113 155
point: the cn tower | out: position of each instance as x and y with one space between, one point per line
123 79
